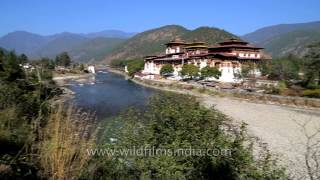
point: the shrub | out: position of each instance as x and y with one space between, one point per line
312 93
174 121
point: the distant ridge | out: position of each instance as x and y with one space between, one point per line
36 46
284 39
111 34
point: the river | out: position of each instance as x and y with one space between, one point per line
107 94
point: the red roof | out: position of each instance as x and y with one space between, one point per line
234 46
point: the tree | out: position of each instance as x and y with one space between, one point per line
11 67
166 69
210 72
135 65
45 63
190 70
313 65
247 70
285 69
81 67
2 57
63 59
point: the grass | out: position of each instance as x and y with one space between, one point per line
66 138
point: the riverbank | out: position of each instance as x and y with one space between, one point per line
61 79
282 127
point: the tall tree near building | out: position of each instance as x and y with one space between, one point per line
135 65
166 69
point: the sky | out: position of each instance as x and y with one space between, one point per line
47 17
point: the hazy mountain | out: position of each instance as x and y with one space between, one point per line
61 42
36 46
264 34
23 42
284 39
110 34
152 41
94 49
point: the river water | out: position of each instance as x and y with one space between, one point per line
107 94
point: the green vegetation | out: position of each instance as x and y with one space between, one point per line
173 122
207 72
24 99
294 72
166 69
190 70
313 93
133 65
44 63
210 35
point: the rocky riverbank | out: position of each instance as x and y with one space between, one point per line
62 79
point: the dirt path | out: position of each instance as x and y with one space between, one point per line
278 126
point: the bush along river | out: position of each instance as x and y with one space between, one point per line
107 94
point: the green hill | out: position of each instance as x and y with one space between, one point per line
285 39
295 43
152 41
209 35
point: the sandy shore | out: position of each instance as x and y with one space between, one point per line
62 79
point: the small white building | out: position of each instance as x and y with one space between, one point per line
91 69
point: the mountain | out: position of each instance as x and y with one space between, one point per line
284 39
152 41
264 34
36 46
209 35
94 49
61 42
295 43
110 34
23 42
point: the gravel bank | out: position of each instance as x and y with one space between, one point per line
278 126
